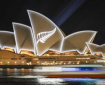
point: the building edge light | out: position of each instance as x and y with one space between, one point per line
15 37
33 34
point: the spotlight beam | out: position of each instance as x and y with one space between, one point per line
71 7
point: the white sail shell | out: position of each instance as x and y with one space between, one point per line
94 48
40 26
77 41
7 40
23 37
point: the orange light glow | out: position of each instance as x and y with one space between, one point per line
27 52
98 54
9 49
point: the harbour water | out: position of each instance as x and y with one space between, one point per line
29 77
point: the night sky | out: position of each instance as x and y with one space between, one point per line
70 15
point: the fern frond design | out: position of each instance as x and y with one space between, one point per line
43 36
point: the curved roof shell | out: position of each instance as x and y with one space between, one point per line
7 39
46 33
23 37
77 41
94 48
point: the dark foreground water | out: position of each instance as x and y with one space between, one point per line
29 77
51 81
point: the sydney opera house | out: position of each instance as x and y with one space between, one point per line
46 44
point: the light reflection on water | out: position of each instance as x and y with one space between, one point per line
29 77
50 81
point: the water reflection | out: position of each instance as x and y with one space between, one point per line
55 81
37 80
29 77
15 72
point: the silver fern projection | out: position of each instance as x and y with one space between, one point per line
43 36
41 23
50 36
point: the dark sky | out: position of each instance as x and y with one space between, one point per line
70 15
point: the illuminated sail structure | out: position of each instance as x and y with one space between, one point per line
76 41
43 25
94 48
7 40
23 37
44 35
